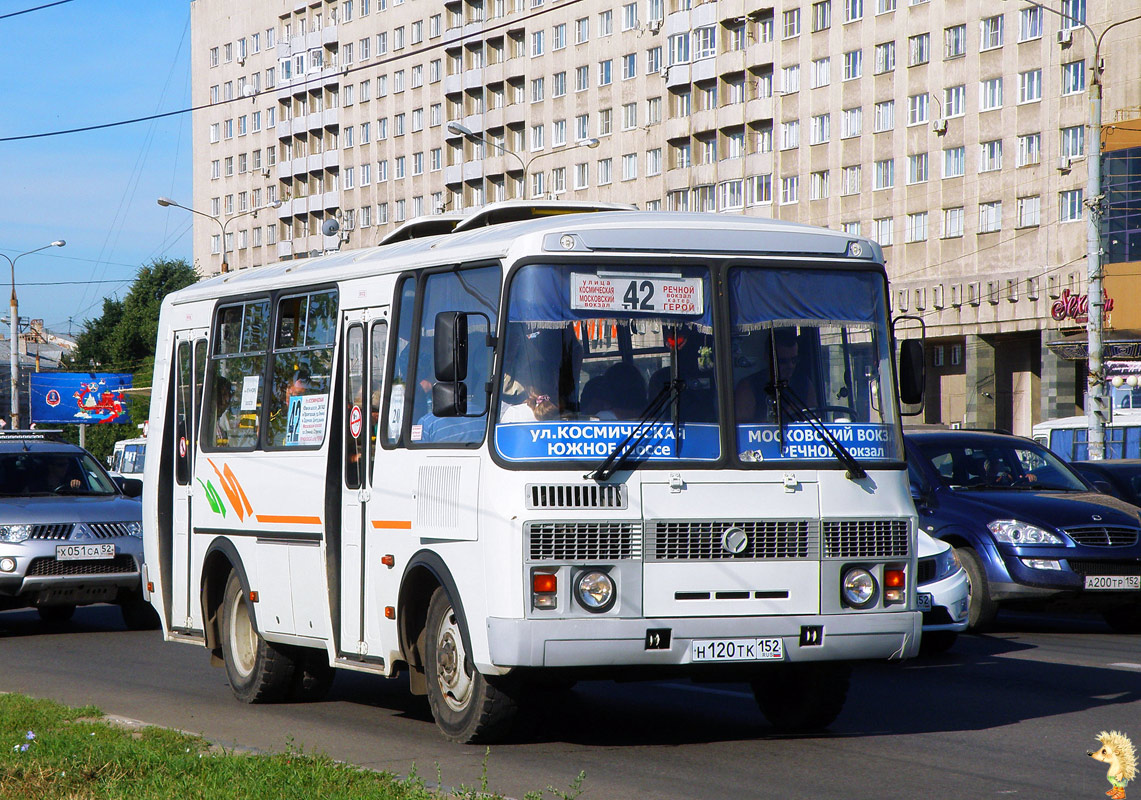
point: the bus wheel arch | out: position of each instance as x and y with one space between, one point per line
221 559
425 573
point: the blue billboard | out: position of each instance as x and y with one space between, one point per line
79 397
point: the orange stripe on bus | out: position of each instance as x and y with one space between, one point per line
288 519
392 523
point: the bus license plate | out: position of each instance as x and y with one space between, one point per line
84 552
736 650
1125 582
925 601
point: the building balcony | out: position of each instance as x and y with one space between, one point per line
453 174
330 200
453 84
315 162
298 166
472 78
331 159
315 121
284 250
329 34
332 117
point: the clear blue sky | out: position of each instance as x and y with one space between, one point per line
87 62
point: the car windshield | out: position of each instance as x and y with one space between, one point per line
988 464
46 474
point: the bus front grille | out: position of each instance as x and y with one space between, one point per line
583 541
706 540
865 538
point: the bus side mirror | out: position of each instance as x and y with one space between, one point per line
449 399
912 372
451 345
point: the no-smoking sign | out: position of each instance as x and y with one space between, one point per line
356 421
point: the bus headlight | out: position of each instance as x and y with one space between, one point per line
594 590
858 587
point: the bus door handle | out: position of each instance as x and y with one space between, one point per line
364 495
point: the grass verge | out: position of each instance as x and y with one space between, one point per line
53 752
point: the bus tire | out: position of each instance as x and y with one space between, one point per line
467 705
259 671
798 698
982 608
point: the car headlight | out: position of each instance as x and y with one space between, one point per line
15 533
1011 531
134 529
946 563
594 590
858 587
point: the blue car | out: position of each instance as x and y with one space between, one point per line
1025 526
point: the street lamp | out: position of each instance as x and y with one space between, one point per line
466 132
14 325
166 201
1097 403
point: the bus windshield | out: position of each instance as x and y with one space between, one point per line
598 357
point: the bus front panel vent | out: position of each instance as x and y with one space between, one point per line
865 538
583 541
745 540
575 496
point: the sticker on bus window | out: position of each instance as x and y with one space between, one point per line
648 294
250 391
305 425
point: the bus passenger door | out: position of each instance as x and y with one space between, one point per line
189 366
366 334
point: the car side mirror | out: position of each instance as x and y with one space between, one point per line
132 487
1105 487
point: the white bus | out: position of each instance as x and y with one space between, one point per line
1069 436
611 444
128 457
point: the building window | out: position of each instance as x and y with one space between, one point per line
885 57
884 174
954 101
919 49
852 122
821 72
953 222
990 217
1070 205
791 23
1029 211
885 116
1074 13
955 41
853 10
790 79
1030 86
789 190
990 156
917 168
818 185
917 109
853 64
1030 23
917 227
821 129
759 190
1074 141
885 233
850 180
1074 77
990 33
790 135
990 94
1030 149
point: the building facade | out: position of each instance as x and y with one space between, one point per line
955 134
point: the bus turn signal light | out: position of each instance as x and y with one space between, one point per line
544 582
390 612
388 561
893 578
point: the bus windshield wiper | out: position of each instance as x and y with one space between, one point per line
805 414
657 407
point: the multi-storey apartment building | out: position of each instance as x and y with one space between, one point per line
955 134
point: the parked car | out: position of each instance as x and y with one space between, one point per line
942 593
70 535
1025 526
1118 477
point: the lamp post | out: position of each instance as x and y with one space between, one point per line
468 133
14 325
1097 403
166 201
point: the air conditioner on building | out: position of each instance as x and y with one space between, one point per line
1065 37
939 126
1065 163
654 25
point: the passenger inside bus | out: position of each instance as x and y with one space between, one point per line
226 426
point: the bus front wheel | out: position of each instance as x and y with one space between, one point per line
467 705
797 698
259 672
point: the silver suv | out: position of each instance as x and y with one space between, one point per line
69 534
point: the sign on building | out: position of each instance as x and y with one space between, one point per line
79 397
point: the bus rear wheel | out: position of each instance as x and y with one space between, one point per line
797 698
467 705
259 671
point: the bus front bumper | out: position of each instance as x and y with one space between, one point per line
622 642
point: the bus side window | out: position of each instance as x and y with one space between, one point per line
394 416
377 351
232 406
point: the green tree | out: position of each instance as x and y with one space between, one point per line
122 339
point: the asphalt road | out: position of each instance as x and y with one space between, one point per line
1010 713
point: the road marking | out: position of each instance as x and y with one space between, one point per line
1126 665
